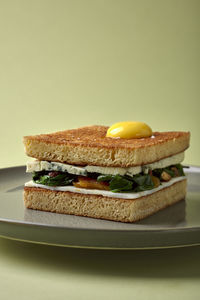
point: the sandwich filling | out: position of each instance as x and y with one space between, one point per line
105 193
109 180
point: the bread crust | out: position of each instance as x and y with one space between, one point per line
100 207
90 146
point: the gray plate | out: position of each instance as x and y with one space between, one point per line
176 226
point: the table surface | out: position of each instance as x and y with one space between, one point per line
33 271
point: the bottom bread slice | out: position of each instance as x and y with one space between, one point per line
101 207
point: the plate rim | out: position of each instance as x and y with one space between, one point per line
196 169
168 232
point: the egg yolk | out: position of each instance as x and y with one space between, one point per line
129 130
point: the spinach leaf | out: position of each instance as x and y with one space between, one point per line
144 183
37 175
104 178
180 169
134 183
60 179
119 183
142 179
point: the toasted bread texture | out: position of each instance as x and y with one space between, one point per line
90 146
101 207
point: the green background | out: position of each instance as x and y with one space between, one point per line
65 64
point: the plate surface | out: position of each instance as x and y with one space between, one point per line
175 226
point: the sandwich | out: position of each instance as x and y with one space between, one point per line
87 172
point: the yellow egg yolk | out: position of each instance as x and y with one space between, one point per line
129 130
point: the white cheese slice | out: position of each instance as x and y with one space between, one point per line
165 162
105 193
37 165
114 170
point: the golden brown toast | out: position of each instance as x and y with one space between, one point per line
90 146
97 206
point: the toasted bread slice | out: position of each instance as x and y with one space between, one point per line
101 207
90 146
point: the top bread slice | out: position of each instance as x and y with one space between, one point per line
90 146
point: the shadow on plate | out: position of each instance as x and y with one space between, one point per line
170 216
18 188
173 216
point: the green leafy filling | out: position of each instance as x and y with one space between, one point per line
140 182
170 171
137 183
61 179
180 169
117 183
